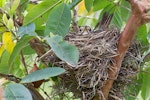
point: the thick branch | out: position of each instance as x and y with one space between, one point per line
137 18
123 45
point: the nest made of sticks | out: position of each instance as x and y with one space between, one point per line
96 52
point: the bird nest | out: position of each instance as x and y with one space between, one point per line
97 50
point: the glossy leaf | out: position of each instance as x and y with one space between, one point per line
43 74
29 30
39 10
88 4
59 20
100 4
65 51
17 92
19 46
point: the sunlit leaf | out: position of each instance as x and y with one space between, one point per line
8 41
14 5
10 24
59 20
81 9
88 4
5 19
39 10
2 2
17 92
43 74
2 48
65 51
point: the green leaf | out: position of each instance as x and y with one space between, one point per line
23 5
109 9
39 10
88 4
87 22
117 19
43 74
74 3
142 35
125 12
15 4
10 24
100 4
4 68
29 30
40 22
65 51
59 20
19 46
17 92
5 19
145 90
28 50
2 2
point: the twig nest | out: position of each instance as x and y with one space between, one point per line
97 50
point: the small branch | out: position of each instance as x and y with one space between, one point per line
44 55
39 48
10 77
24 63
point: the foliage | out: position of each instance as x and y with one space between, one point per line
50 21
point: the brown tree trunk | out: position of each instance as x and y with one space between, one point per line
138 17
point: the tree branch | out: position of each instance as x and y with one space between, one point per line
10 77
138 17
24 63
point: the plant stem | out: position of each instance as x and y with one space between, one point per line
24 63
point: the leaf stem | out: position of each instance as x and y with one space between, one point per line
23 61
